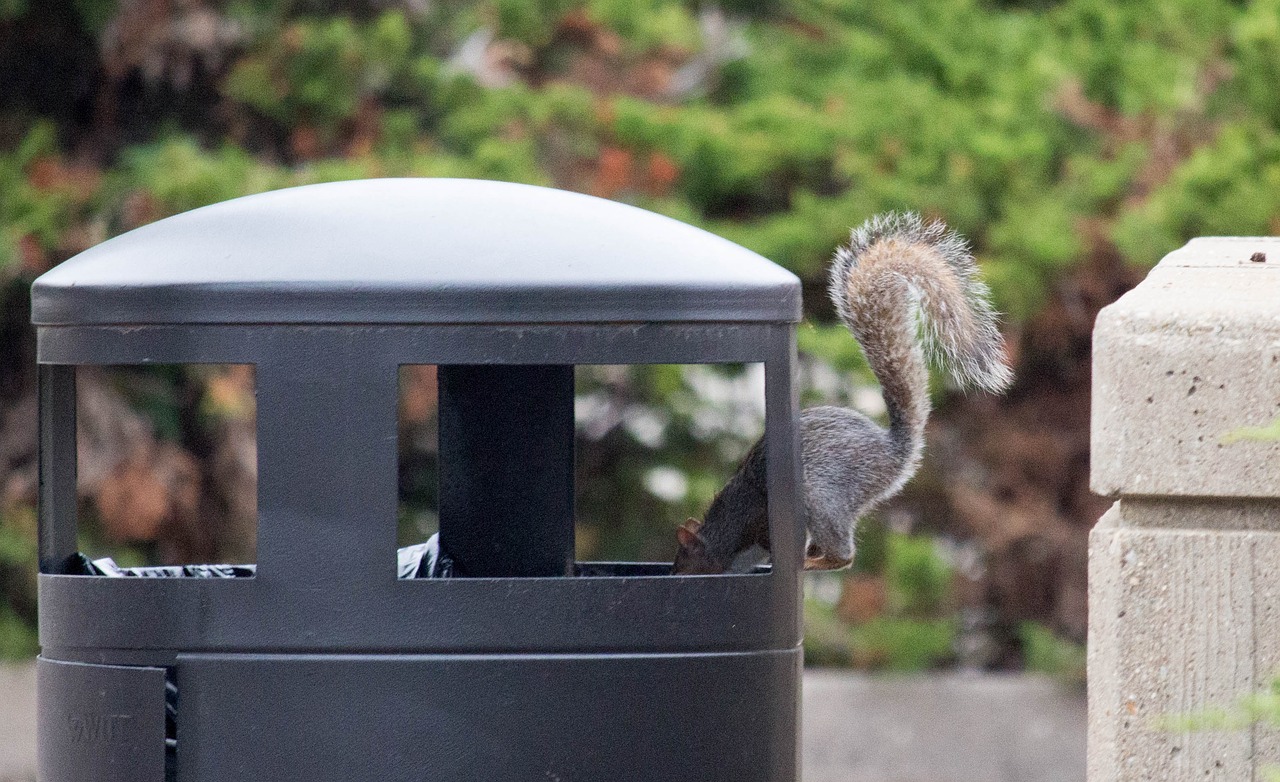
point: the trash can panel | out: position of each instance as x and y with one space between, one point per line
488 718
632 611
99 722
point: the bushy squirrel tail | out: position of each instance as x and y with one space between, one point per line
898 265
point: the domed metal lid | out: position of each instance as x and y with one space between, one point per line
415 251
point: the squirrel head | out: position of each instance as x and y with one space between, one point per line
692 558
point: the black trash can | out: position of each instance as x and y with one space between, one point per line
320 664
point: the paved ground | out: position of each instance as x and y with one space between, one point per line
856 728
950 728
17 722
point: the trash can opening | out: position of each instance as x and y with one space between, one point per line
647 447
166 468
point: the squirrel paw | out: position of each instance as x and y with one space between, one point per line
826 562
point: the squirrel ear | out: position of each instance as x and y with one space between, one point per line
687 534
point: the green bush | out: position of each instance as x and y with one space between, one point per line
1045 132
317 71
1043 651
17 584
1229 187
918 629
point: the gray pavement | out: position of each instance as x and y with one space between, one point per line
857 728
17 723
942 728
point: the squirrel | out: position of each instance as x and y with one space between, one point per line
895 268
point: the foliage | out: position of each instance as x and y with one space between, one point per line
917 630
1017 127
17 583
918 578
1045 652
1050 134
827 640
884 643
17 635
317 71
907 644
43 201
1229 187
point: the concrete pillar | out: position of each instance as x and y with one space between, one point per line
1184 570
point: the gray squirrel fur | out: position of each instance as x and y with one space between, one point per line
896 271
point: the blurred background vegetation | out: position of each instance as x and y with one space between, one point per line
1074 142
